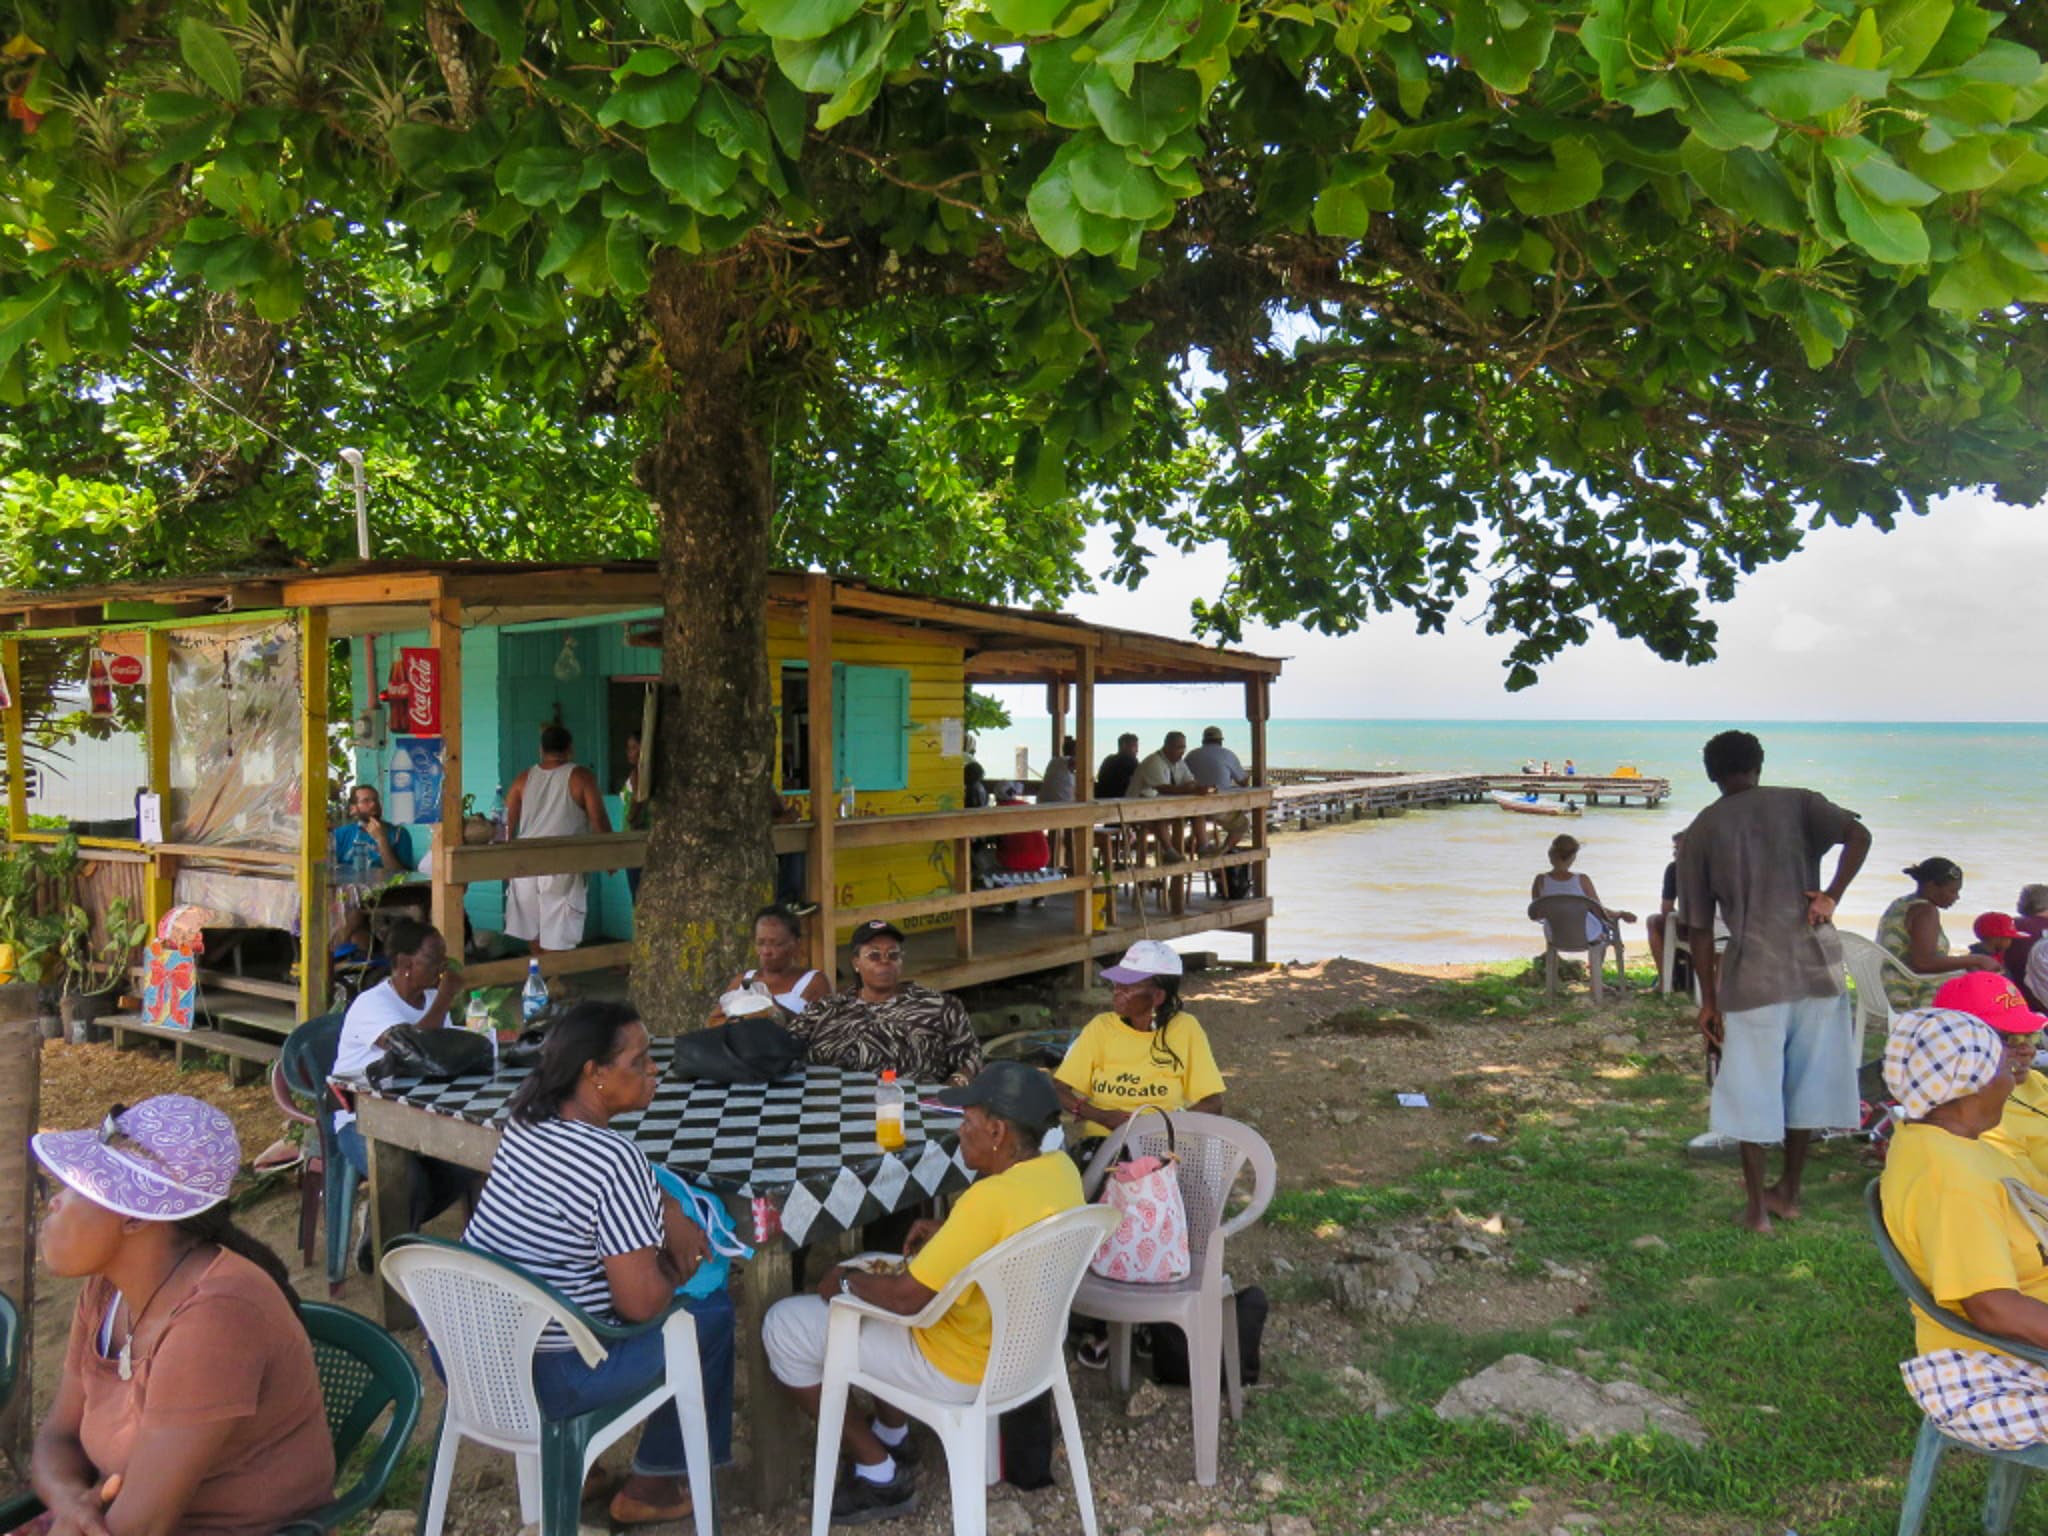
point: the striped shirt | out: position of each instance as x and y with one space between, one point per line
562 1197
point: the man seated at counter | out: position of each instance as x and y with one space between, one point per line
885 1023
390 848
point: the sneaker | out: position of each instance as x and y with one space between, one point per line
858 1501
1092 1353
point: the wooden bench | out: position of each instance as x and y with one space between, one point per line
249 1057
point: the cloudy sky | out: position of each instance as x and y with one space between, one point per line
1931 621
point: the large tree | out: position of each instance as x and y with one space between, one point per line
1595 302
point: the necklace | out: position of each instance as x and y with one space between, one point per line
126 1359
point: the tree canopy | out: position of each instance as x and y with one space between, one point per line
1590 304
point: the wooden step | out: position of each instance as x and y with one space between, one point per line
254 1012
248 1059
228 981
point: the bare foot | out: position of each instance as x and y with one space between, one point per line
1779 1204
1759 1223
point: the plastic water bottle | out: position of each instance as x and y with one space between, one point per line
402 809
478 1015
534 999
361 854
847 803
889 1113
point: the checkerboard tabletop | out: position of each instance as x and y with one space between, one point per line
802 1149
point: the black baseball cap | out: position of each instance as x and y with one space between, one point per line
874 928
1011 1089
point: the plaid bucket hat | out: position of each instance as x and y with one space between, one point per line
1935 1056
168 1158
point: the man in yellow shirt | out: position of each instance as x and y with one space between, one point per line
1949 1207
1006 1112
1146 1050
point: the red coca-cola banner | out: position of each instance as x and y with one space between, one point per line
420 713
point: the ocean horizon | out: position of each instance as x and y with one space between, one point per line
1451 884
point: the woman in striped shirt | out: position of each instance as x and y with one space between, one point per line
574 1203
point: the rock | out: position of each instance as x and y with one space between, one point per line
1562 1121
1270 1485
1491 1510
1367 1391
1471 1248
395 1522
1282 1265
1514 1162
1518 1390
1344 1116
1382 1281
1453 1196
1581 1520
1008 1519
1552 1270
1291 1525
1145 1402
1650 1242
1619 1045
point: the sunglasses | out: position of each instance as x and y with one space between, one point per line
883 956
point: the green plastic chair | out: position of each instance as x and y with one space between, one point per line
363 1371
10 1348
484 1317
2008 1468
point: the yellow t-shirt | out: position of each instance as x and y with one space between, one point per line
990 1210
2023 1132
1946 1207
1116 1067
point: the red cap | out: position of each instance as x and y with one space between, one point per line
1989 996
1995 925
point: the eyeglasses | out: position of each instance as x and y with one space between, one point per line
883 956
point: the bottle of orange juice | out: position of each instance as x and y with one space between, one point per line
889 1112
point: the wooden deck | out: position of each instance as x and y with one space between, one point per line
1310 797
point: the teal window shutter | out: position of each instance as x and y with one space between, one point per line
871 726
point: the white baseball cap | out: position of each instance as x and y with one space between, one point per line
1144 960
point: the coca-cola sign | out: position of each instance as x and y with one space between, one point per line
420 711
125 671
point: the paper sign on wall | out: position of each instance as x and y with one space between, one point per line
149 818
952 738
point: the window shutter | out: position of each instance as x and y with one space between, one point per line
871 718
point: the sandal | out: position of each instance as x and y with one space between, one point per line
1092 1354
627 1513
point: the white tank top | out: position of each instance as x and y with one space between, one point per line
546 808
794 999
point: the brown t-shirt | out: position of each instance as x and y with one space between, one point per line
232 1349
1754 855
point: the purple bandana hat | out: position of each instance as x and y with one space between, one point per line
167 1158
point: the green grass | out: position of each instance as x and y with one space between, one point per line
1806 1324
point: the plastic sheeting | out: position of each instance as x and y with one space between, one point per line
236 715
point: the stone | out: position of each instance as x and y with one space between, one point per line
1552 1270
1619 1045
395 1522
1344 1116
1146 1401
1008 1519
1491 1510
1367 1391
1650 1242
1270 1485
1453 1196
1282 1265
1514 1162
1581 1520
1291 1525
1519 1390
1383 1281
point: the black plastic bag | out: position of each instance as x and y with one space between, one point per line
1024 1436
1170 1345
748 1050
433 1054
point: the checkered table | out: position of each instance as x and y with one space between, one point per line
799 1155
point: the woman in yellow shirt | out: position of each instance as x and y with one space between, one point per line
1950 1206
1145 1051
2022 1130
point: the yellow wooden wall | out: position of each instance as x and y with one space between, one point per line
938 691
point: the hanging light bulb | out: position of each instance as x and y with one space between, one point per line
567 667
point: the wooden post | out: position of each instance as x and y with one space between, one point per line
20 1084
312 871
1085 841
1056 706
10 721
963 884
445 634
157 897
1257 705
821 878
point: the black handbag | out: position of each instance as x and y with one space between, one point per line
433 1054
748 1050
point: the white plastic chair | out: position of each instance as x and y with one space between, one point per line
1567 915
484 1317
1028 1280
1212 1151
1867 963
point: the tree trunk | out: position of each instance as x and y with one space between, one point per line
710 858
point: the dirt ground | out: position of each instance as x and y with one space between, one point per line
1322 1097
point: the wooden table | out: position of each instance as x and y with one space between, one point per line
795 1163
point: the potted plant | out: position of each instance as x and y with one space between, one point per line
92 976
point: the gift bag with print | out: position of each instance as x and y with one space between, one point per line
1150 1244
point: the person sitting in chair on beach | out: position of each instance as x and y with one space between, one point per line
1558 880
1910 928
884 1022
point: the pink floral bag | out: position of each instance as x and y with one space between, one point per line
1150 1244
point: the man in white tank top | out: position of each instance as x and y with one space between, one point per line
554 798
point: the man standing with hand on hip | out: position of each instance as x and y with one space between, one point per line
1773 1004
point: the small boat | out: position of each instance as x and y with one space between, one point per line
1529 805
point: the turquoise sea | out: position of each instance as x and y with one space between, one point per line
1451 884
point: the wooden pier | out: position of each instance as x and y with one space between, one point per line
1313 797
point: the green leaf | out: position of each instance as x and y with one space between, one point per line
1719 117
1805 89
800 20
1894 236
826 65
1575 182
1061 221
663 18
1604 36
1345 209
647 61
1909 29
691 166
543 175
625 255
1750 185
174 106
1138 31
651 103
1027 18
1160 102
1971 286
787 112
1061 82
502 21
22 319
1864 49
1506 57
1888 182
734 127
208 55
1107 183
